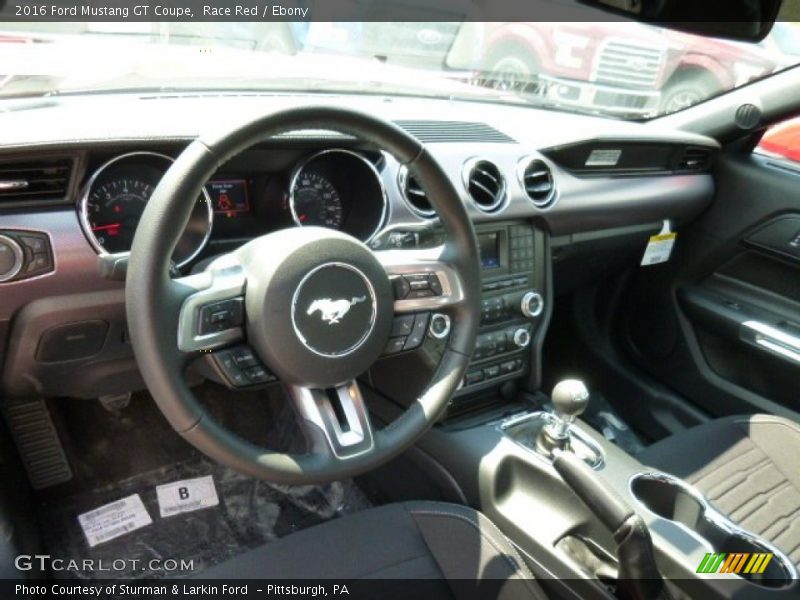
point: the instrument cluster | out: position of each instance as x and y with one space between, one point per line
335 188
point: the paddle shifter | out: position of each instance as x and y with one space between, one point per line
570 398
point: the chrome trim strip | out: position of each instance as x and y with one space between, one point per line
13 185
575 433
314 406
83 204
305 162
772 339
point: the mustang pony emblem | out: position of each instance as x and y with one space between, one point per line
331 311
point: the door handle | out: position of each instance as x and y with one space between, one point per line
772 340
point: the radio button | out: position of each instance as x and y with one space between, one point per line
532 304
473 377
492 371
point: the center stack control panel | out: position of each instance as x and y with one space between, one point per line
512 304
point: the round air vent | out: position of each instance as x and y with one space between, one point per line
485 184
536 179
414 195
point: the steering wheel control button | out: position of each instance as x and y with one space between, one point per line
220 316
402 325
418 285
418 332
241 367
244 358
401 288
440 326
333 311
395 345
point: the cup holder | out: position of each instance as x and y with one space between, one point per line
675 500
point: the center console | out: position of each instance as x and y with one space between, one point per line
593 520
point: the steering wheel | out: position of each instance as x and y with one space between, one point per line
318 308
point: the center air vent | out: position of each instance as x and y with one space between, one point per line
414 195
485 184
536 179
38 180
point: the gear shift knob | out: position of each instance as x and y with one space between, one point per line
570 398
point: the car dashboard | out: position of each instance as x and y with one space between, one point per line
545 190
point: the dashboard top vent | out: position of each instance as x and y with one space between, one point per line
44 180
485 184
536 178
454 131
695 158
414 195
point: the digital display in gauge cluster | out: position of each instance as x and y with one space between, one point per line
229 197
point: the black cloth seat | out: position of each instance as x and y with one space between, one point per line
413 540
747 467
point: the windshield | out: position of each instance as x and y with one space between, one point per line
620 69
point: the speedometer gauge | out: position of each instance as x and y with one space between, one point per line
314 201
340 189
115 198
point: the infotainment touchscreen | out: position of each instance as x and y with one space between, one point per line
489 251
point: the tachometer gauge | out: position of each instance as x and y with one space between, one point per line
314 201
114 210
115 198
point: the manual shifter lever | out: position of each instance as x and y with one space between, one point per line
570 398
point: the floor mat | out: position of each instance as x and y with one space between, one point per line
131 451
250 513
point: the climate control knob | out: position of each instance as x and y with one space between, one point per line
532 304
521 338
11 258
